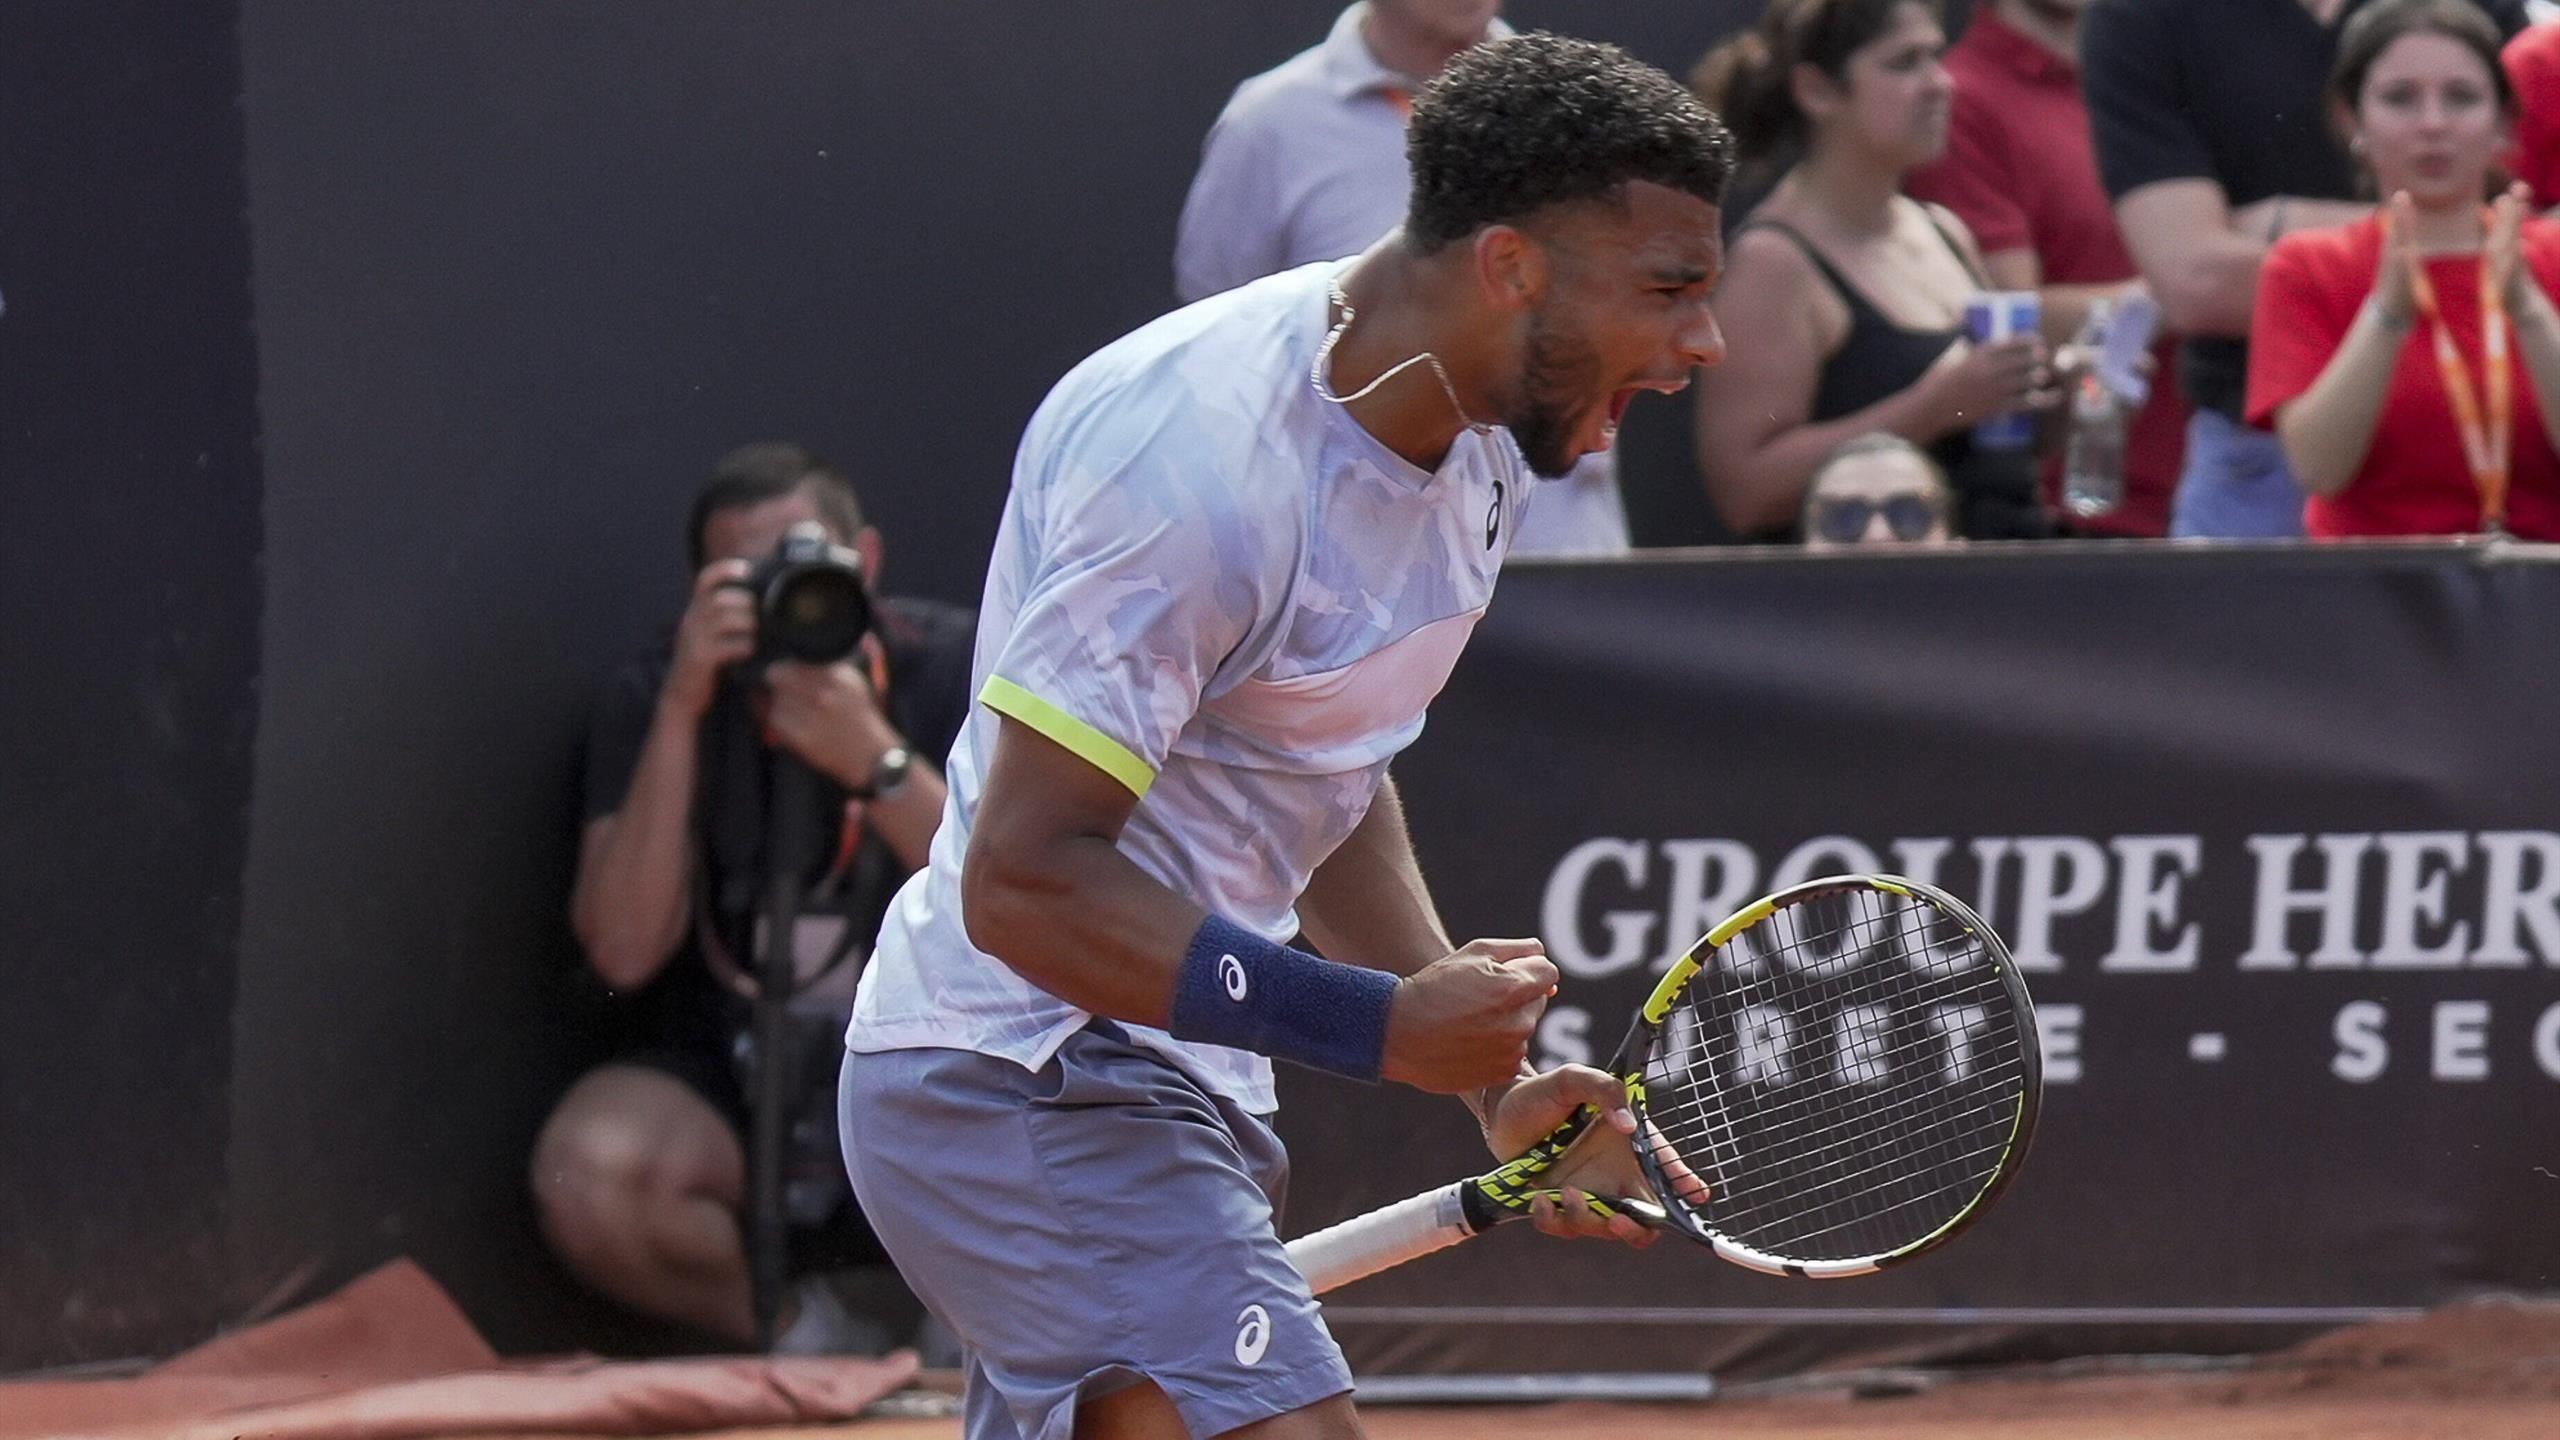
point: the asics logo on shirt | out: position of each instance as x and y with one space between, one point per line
1231 975
1493 516
1255 1335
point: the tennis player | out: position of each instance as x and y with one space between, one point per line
1243 547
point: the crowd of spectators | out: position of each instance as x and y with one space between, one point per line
1848 297
2107 156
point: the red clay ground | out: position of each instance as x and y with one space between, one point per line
2479 1372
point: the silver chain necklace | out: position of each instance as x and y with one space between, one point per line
1333 337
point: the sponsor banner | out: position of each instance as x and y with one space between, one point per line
2274 833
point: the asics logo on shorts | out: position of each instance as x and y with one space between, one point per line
1231 975
1254 1337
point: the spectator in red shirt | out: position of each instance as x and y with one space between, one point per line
2533 65
2021 171
2367 353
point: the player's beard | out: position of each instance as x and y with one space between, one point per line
1554 371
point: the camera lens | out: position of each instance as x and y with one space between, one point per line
818 614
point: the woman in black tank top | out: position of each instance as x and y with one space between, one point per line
1843 301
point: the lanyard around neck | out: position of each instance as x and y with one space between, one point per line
2485 416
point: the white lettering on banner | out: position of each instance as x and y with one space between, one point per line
1560 916
2457 1041
1765 1040
1564 1037
2044 862
1823 855
1835 955
1959 1024
2362 1052
2462 1040
1861 1042
2333 899
2519 895
2505 901
1987 855
2411 896
1607 907
2147 902
1710 879
2401 904
2058 1038
1763 1036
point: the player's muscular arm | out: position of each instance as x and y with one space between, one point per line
1366 904
1046 890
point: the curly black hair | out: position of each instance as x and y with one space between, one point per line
1534 120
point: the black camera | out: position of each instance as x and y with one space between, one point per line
811 602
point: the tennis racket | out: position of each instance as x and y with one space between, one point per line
1840 1077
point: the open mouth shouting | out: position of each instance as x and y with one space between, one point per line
1620 399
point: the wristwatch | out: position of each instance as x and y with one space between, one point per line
888 774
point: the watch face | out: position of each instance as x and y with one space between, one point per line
891 771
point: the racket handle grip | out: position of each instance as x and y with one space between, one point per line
1381 1240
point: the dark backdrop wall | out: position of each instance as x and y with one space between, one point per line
129 586
520 272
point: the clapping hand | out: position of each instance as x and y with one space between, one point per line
2395 280
2503 254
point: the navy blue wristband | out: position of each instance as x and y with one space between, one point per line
1239 989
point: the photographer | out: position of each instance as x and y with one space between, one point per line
640 1173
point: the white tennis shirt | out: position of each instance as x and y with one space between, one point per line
1223 592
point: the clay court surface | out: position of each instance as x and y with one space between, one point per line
2486 1371
2481 1372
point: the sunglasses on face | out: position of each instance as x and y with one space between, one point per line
1843 519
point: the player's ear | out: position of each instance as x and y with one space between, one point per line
1511 268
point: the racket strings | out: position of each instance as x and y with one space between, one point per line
1856 1170
1914 1107
1843 1153
1846 1074
1703 1087
1920 1119
1701 1090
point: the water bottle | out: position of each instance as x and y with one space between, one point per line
2093 465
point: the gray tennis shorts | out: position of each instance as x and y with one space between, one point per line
1097 1222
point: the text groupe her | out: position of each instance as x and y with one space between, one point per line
2416 900
2369 902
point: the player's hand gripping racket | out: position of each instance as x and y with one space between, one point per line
1839 1077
